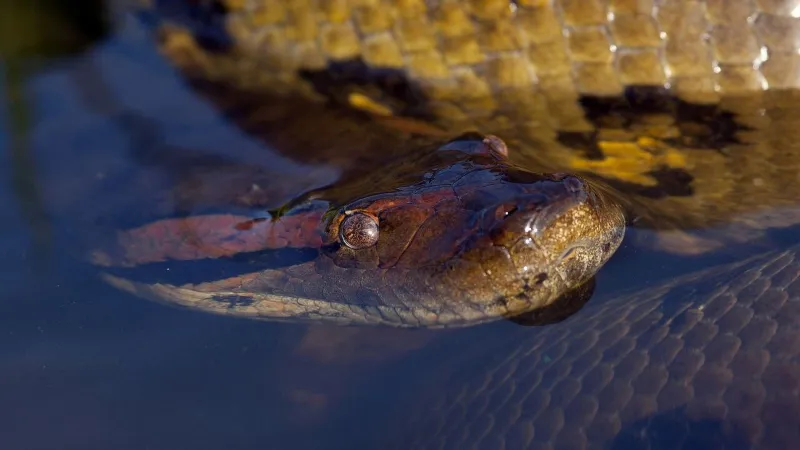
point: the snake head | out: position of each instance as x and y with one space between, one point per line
480 239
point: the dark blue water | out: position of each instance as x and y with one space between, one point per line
83 365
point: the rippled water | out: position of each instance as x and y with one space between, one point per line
85 366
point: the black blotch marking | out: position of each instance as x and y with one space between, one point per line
606 247
233 301
624 110
706 126
672 182
669 183
390 87
212 269
205 19
502 301
585 142
540 278
702 127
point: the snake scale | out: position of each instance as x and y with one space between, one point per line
706 361
689 108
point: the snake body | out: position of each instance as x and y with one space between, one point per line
708 360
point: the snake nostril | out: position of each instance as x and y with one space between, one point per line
505 210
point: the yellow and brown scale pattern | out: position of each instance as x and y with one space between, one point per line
689 106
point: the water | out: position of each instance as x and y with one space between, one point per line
86 366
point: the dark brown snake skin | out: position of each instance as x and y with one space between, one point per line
705 361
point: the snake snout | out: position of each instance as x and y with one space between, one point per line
565 229
532 214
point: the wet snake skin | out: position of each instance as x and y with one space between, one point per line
706 361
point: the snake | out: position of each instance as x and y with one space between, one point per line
468 239
706 360
686 110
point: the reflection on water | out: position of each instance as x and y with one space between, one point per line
86 366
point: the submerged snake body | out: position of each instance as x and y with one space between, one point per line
706 361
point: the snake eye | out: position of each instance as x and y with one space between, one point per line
359 231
